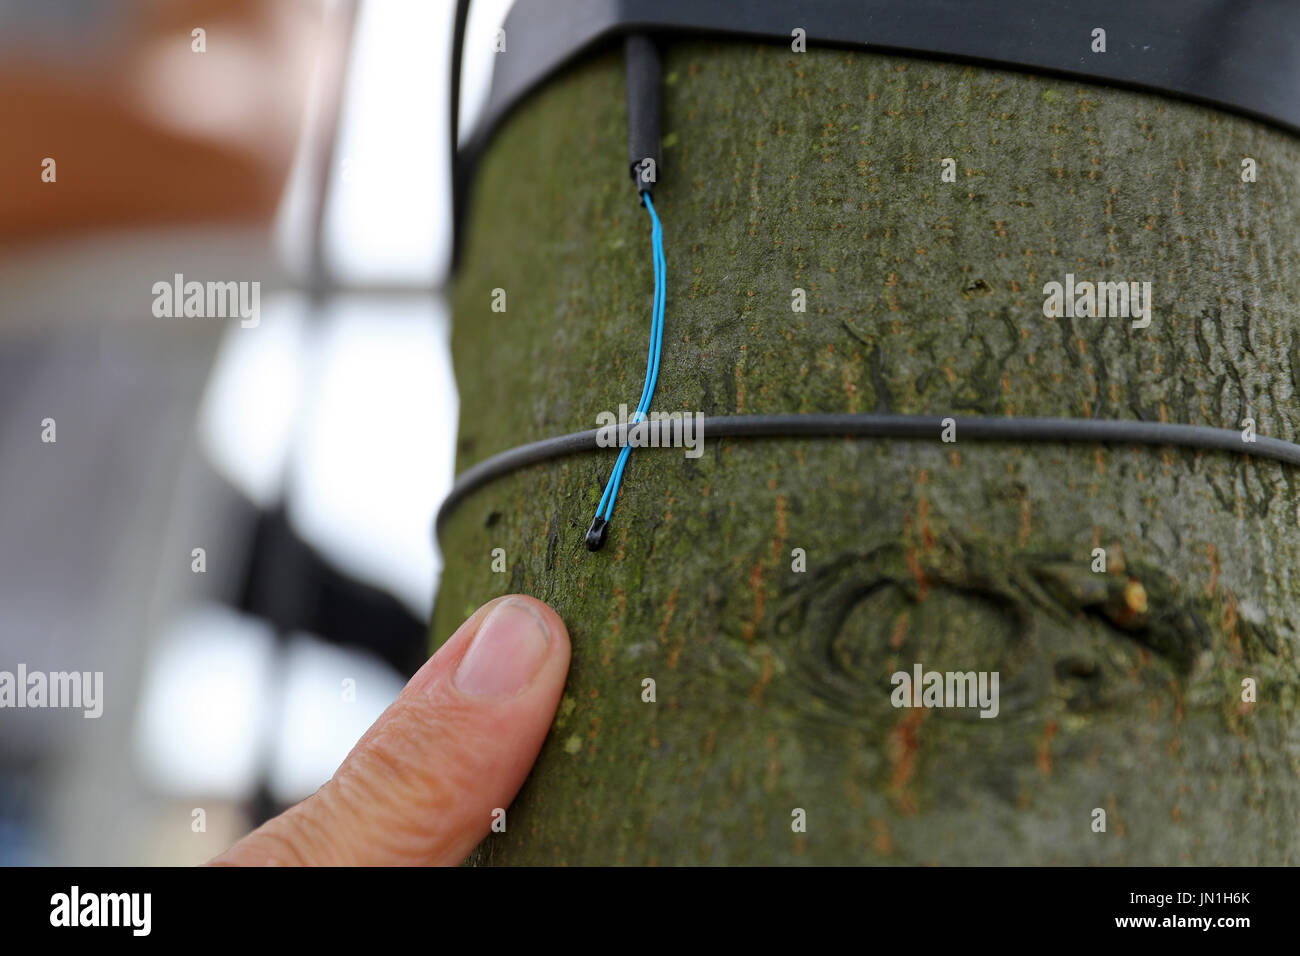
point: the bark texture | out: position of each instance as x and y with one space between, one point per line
1120 691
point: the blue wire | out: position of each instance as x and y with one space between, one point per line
606 507
652 368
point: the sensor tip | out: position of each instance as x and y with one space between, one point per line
596 533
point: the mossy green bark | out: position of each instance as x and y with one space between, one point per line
1120 691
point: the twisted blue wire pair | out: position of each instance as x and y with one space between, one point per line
605 510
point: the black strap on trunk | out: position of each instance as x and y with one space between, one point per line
1238 55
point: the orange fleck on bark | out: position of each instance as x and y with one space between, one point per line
883 843
765 675
923 585
1043 757
903 752
927 536
670 606
760 599
900 631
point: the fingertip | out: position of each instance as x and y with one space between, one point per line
555 669
556 629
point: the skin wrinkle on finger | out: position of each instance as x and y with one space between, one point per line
294 838
399 771
400 803
465 734
385 785
291 852
314 829
399 838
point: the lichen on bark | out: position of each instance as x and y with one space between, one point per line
821 171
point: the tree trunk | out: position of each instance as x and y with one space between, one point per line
1119 691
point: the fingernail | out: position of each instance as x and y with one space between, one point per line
506 653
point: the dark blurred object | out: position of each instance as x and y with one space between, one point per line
292 587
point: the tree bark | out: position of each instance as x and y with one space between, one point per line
1120 691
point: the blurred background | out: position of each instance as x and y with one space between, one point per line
234 521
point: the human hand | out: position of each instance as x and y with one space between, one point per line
420 786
